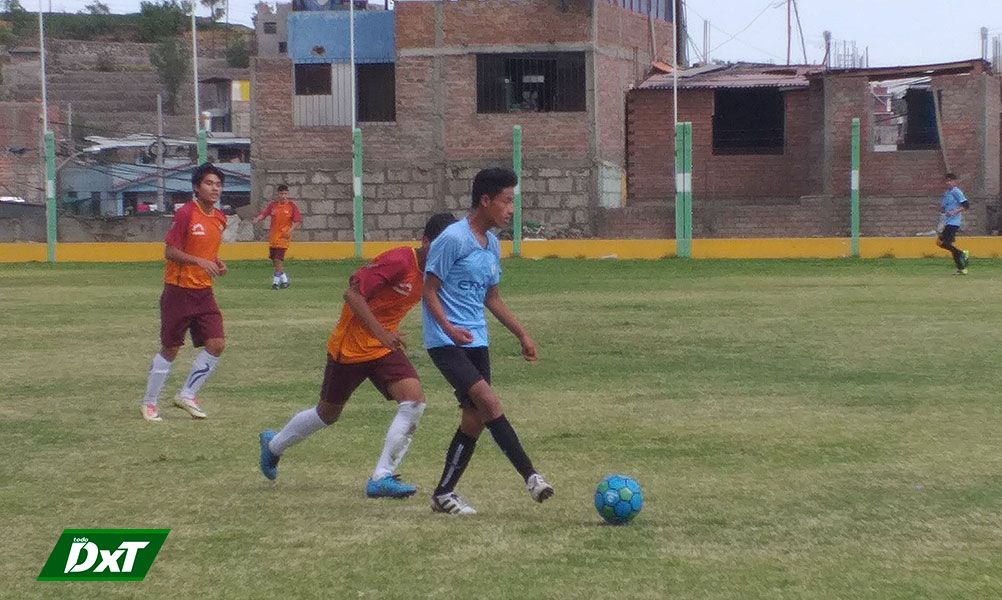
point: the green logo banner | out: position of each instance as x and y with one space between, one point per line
103 554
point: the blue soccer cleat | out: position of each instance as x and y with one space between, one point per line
389 487
269 460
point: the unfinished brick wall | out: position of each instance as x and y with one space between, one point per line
651 151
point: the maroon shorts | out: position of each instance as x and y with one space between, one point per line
184 309
341 379
276 253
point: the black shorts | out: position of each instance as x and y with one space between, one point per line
462 368
949 234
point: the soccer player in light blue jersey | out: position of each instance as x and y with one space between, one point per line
462 274
950 207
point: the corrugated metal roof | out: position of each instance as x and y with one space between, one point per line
734 76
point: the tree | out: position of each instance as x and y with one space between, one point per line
238 55
164 19
97 8
216 8
171 61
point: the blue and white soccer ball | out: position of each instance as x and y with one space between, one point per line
618 499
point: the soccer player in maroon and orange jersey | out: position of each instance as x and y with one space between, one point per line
187 302
285 217
366 344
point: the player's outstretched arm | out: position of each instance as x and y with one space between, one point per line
499 309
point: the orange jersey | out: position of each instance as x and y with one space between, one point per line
199 234
391 285
283 214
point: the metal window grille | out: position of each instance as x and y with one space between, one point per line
539 82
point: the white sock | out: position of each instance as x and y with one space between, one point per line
398 438
159 371
203 366
299 427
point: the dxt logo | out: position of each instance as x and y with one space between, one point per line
103 554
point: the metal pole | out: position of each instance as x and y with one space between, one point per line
41 46
516 165
69 126
984 43
49 143
356 179
194 69
789 28
351 54
854 191
674 71
161 204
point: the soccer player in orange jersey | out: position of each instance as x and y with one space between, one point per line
285 217
366 344
187 302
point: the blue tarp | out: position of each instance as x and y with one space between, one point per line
375 38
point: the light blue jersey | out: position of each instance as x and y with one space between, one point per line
467 271
952 200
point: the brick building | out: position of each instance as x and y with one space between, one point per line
440 86
771 149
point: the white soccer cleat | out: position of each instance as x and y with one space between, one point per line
191 405
451 504
538 488
151 413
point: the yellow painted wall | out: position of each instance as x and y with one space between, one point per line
917 247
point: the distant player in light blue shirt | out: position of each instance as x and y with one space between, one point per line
950 208
462 274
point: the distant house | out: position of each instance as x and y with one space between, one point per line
120 189
771 147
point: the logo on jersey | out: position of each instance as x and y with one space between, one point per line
472 286
197 229
404 289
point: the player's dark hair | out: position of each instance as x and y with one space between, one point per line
205 169
282 188
950 177
491 182
437 224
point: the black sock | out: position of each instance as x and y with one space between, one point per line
456 458
958 256
507 439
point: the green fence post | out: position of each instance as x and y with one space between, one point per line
50 195
854 191
688 191
356 185
203 146
683 190
516 165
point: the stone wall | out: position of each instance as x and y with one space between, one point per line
398 199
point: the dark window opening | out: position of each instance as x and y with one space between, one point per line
748 121
270 27
920 122
283 47
544 82
233 154
376 89
313 80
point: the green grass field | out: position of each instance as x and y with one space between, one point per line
802 429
